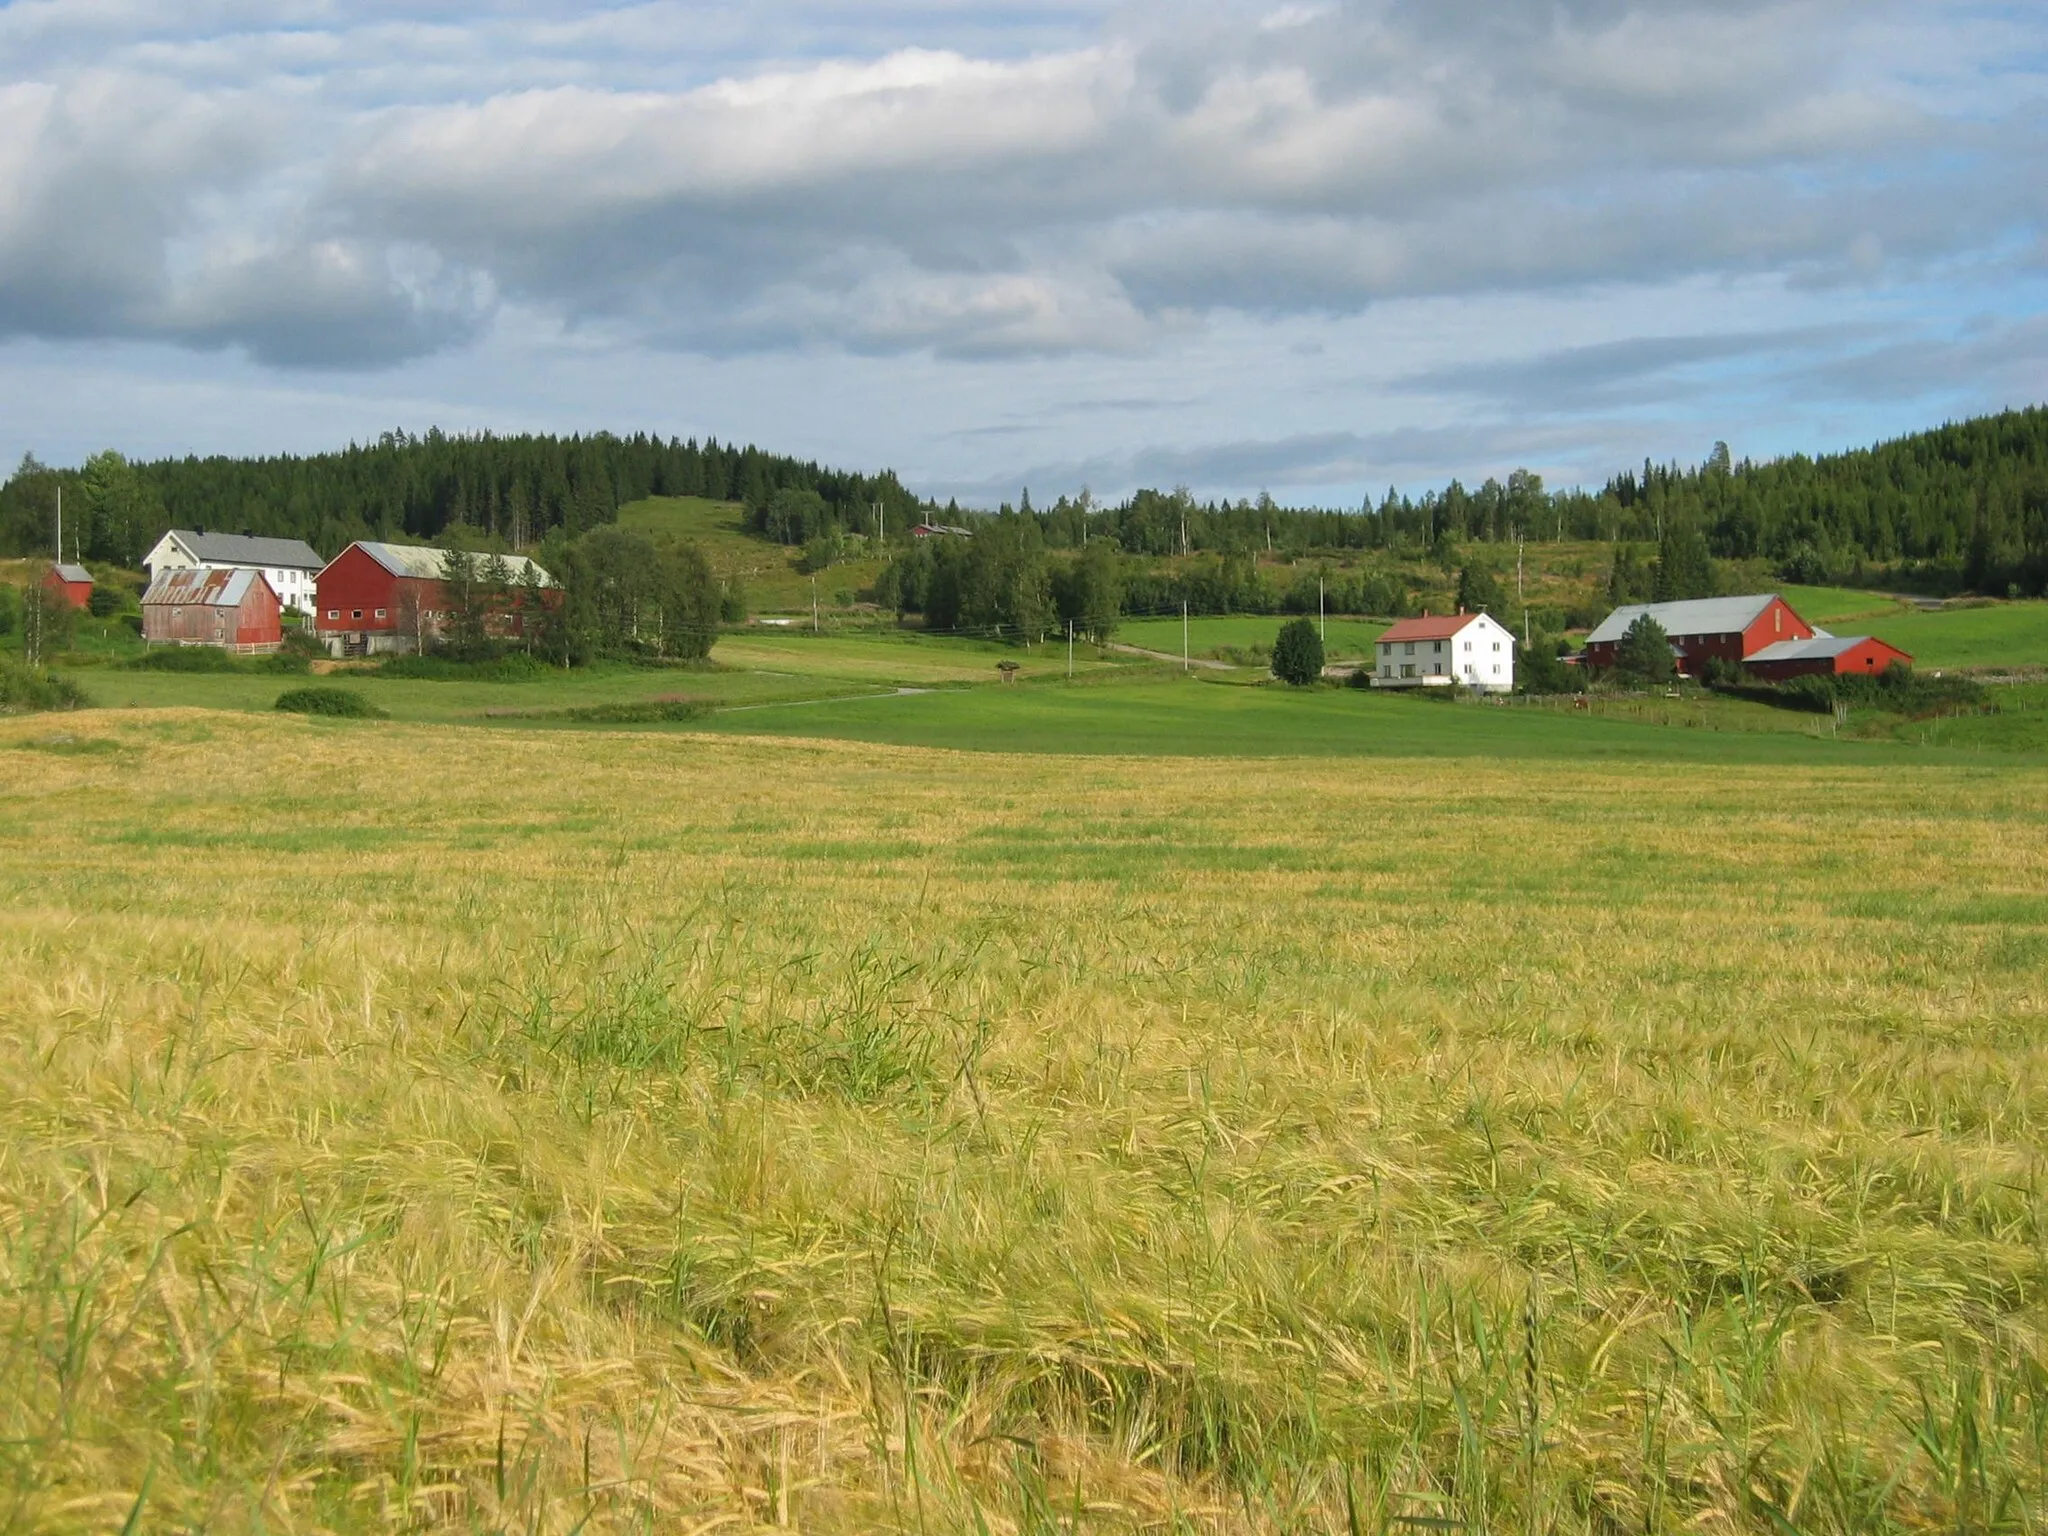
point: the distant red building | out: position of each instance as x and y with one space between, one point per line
71 582
1730 628
234 609
1827 656
374 598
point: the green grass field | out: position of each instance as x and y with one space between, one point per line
769 571
1344 638
425 1129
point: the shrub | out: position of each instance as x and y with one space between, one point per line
184 658
650 712
340 703
1298 653
516 667
26 690
104 603
1645 652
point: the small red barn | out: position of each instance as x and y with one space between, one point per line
375 597
73 583
1731 628
1827 656
235 610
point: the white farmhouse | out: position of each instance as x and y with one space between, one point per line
1463 648
289 565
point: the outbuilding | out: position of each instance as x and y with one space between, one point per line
234 610
1700 629
1827 656
289 565
73 583
1435 652
375 598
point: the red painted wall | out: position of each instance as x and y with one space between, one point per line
76 593
1777 622
1870 657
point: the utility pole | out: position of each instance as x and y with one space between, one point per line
1322 626
1070 650
60 523
1184 634
814 602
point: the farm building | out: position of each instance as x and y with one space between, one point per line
73 583
1731 628
1468 648
289 565
1827 655
374 598
235 610
940 531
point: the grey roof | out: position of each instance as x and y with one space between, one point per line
1820 647
425 563
1694 616
73 573
201 586
247 549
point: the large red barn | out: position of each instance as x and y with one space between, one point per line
375 597
235 610
1827 656
1730 628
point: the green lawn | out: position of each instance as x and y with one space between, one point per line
1343 638
1179 717
1994 636
1832 605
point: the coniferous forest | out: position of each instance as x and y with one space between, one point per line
1962 507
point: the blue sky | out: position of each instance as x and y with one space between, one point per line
1311 248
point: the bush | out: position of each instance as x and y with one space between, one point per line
26 690
649 713
1644 654
211 658
104 603
517 667
1298 653
1539 668
339 703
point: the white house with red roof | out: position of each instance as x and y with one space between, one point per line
1468 649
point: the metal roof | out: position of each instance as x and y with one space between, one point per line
424 563
1694 616
248 549
73 573
201 587
1430 627
1819 648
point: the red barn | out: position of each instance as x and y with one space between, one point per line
1827 656
374 597
73 583
1731 628
235 610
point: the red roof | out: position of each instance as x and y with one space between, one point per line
1440 627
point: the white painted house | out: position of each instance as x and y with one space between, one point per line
289 565
1468 649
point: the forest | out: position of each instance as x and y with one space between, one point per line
1961 507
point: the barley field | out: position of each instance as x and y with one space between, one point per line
428 1128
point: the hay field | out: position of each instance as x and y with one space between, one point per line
423 1128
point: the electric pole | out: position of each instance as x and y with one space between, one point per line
1322 625
814 602
1070 650
1184 634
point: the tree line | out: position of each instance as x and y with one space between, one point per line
1964 505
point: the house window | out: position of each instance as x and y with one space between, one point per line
1496 669
1468 645
380 613
1496 645
1407 649
1437 646
1386 650
355 613
1387 670
1408 669
334 613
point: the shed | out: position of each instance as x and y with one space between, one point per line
1728 628
234 610
73 583
1827 656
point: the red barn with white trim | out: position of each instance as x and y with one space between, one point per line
1728 628
374 597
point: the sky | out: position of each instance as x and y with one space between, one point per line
1315 249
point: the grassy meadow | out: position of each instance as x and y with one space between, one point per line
432 1129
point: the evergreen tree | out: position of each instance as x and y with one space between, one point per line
1479 591
1684 568
1298 653
1644 653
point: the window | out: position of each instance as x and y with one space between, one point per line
1386 649
1496 645
1407 649
1408 669
1468 645
1496 669
355 613
1437 646
380 613
1387 670
334 613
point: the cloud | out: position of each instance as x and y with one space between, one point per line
322 188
